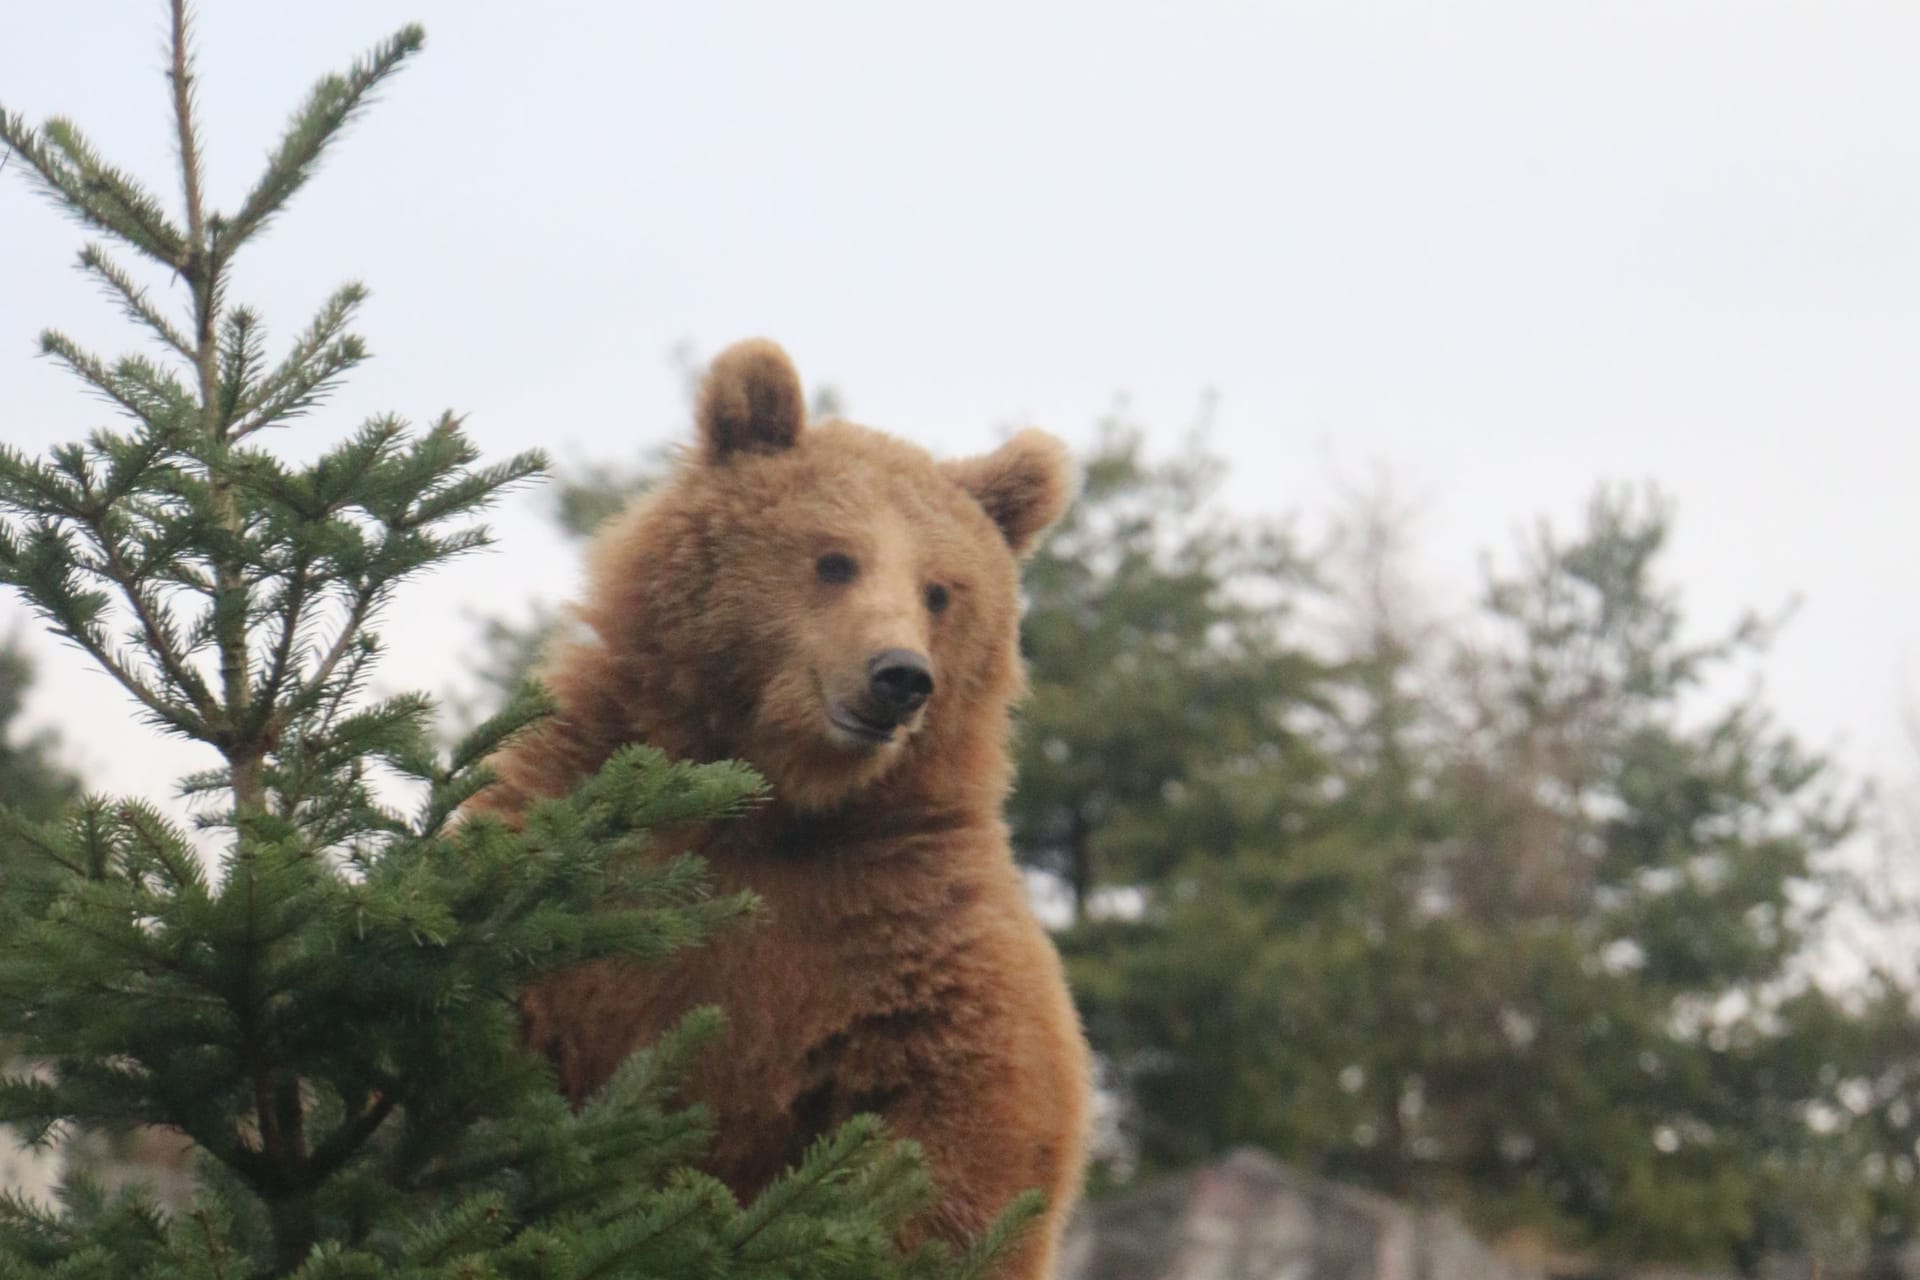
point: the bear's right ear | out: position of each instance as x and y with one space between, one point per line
750 401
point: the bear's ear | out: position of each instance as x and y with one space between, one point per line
1025 485
750 401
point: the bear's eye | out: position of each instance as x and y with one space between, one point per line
836 568
936 598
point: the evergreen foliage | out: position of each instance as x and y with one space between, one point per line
1527 942
32 781
328 1011
1170 702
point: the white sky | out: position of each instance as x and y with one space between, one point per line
1506 250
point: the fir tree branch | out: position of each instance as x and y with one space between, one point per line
146 395
830 1159
92 193
132 298
310 370
163 711
341 1145
116 195
241 352
329 702
159 637
45 568
990 1248
34 488
32 835
161 640
292 611
90 508
212 1244
343 644
661 1227
331 105
132 943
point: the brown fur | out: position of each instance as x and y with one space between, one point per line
897 968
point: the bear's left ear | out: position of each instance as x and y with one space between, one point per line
1025 485
750 401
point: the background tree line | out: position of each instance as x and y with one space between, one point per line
1514 911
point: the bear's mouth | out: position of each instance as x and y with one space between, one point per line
847 718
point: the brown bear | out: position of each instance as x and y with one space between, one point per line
839 610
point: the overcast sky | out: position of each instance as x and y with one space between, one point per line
1504 250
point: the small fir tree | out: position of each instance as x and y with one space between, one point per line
329 1014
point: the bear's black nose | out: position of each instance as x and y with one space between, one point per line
901 679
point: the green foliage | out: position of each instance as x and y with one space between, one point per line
326 1007
1525 947
32 782
1169 705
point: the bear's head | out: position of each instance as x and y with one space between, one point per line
825 602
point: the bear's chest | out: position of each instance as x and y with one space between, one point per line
858 969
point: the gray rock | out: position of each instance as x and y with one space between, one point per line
1248 1217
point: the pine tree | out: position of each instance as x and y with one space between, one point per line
328 1013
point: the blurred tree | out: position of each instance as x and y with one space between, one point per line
1520 948
32 782
1171 709
1604 807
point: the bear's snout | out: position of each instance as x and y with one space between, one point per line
900 681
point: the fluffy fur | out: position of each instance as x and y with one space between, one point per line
897 968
